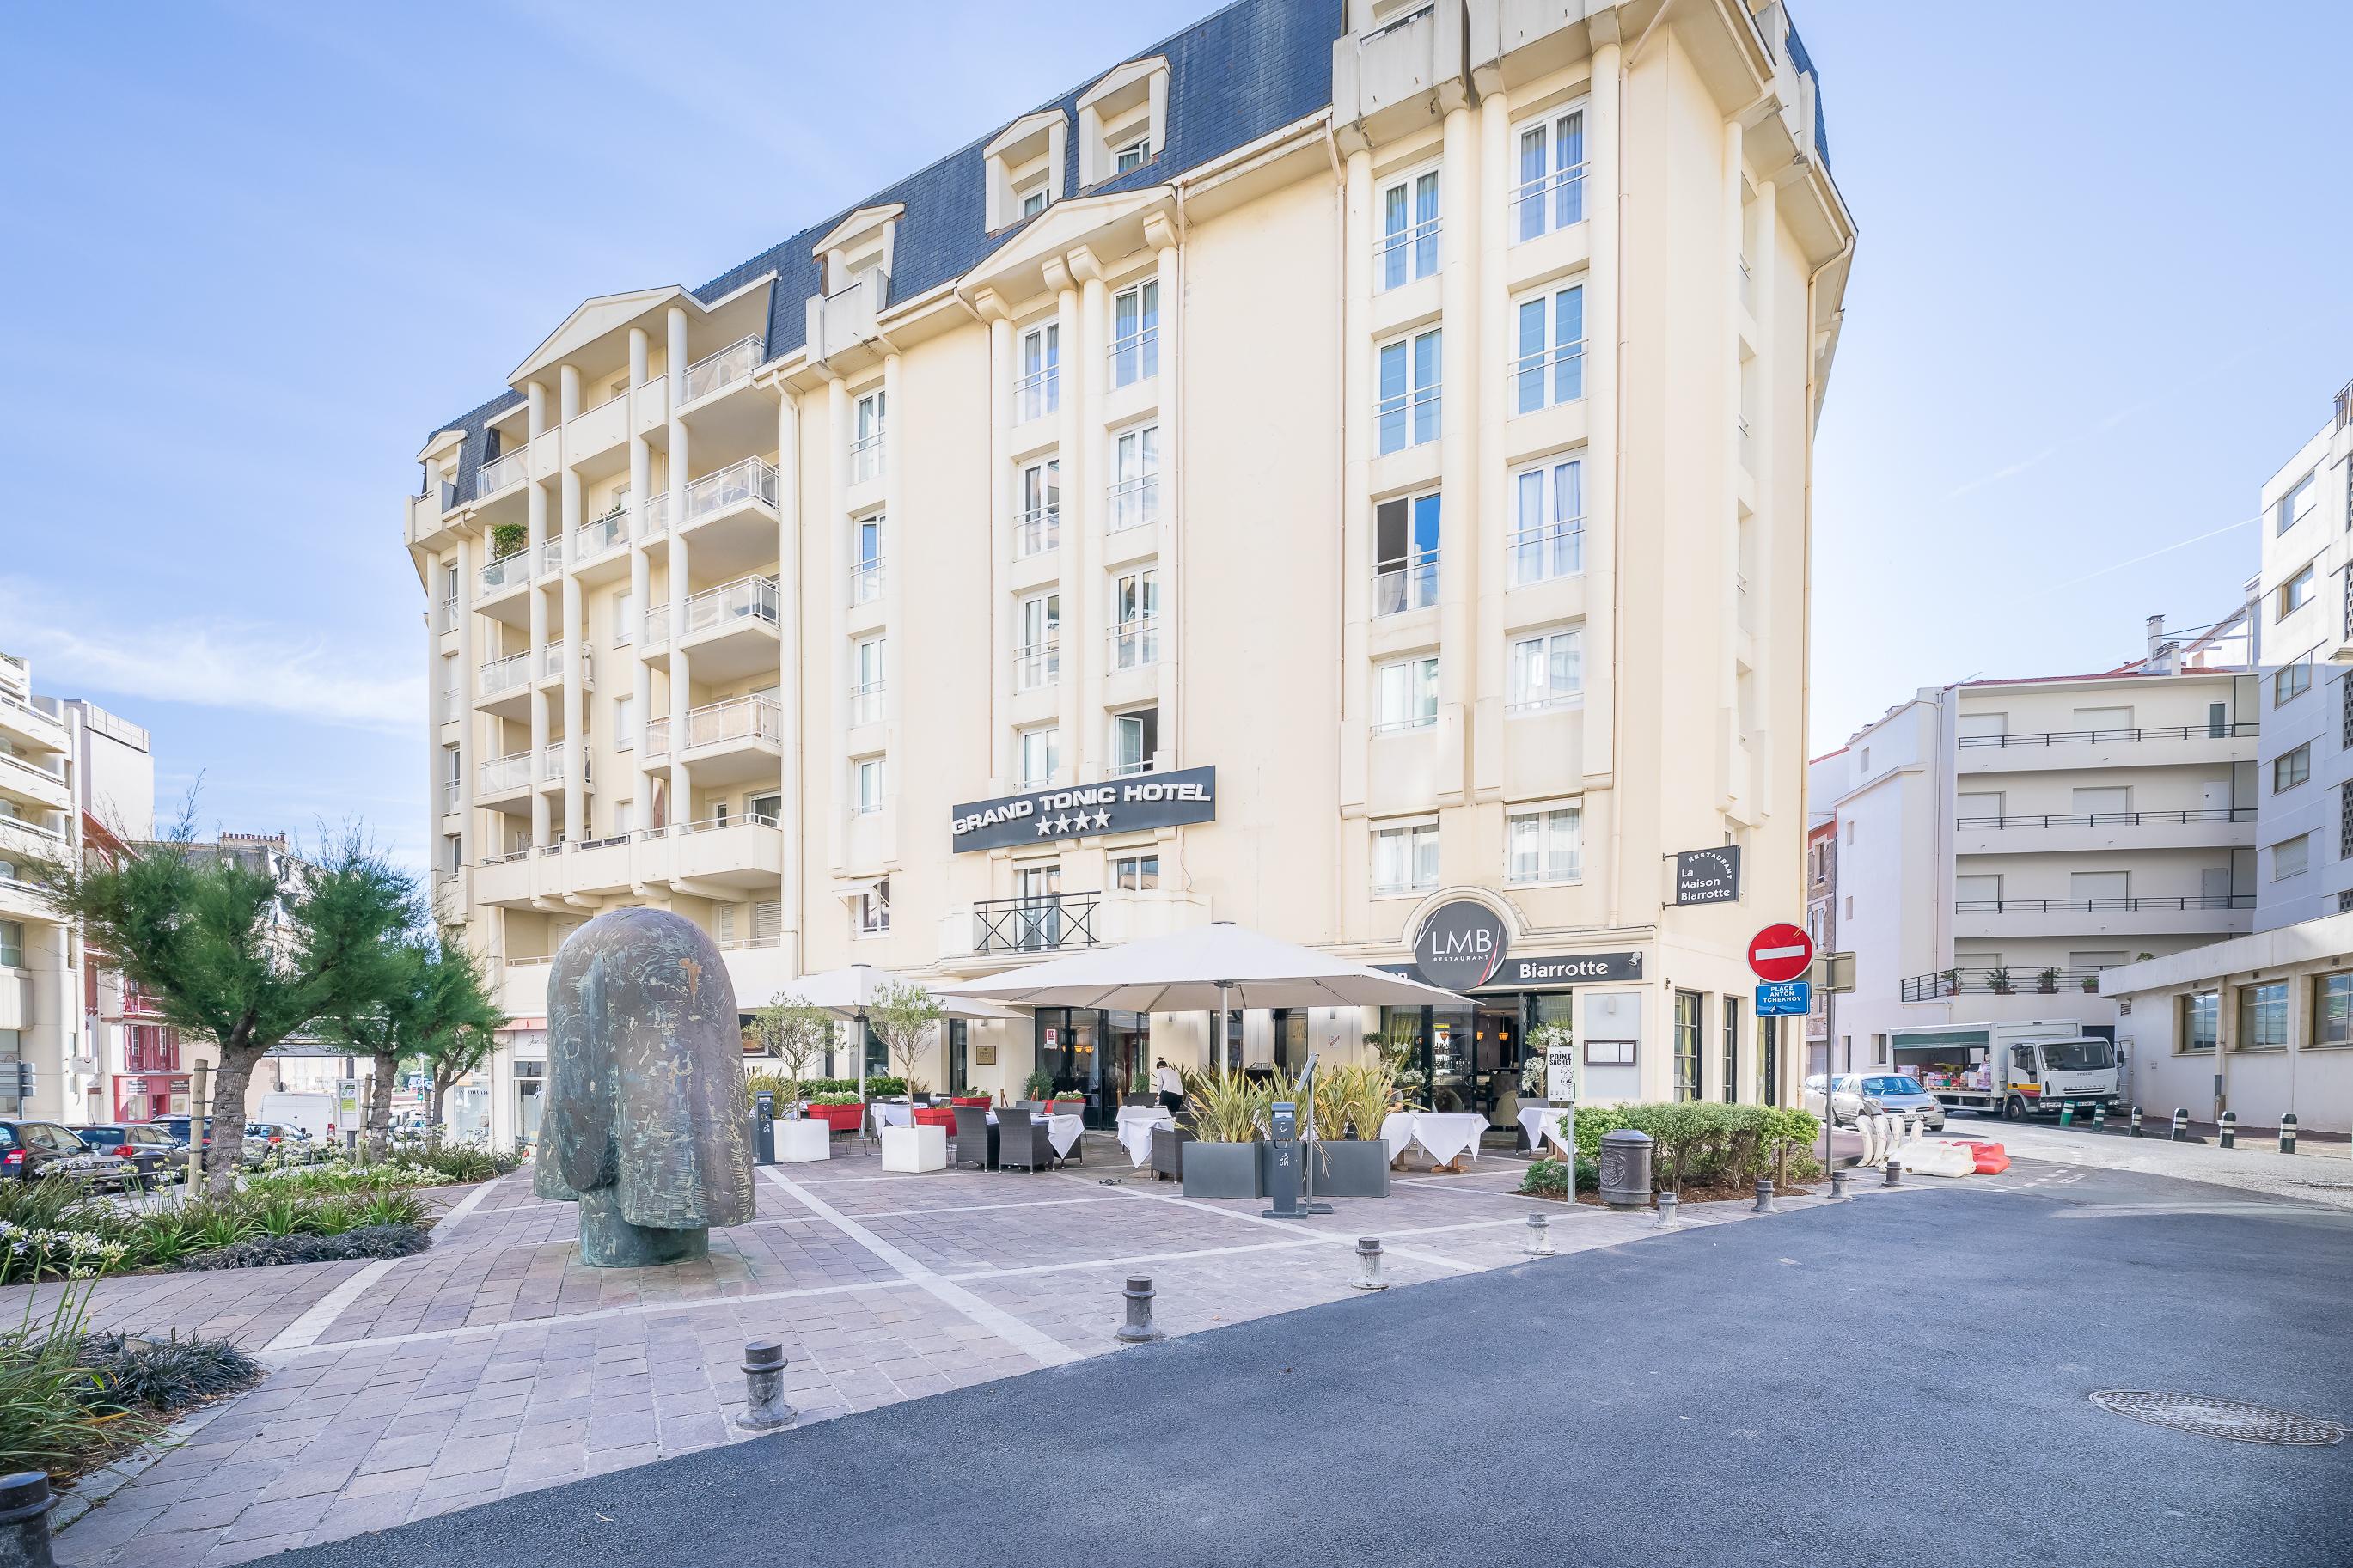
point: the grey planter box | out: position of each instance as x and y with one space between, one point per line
1350 1168
1222 1170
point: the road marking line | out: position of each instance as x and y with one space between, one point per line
1290 1227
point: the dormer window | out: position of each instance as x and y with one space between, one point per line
1033 195
1133 156
1122 121
860 250
1023 165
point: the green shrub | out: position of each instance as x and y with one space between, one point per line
1705 1143
834 1097
1545 1178
263 1251
57 1415
171 1375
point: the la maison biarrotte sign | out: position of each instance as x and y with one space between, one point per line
1082 811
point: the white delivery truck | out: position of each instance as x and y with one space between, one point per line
2011 1070
316 1114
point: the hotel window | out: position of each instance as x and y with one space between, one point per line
1135 620
869 430
1038 642
2290 681
1551 190
1134 478
1405 554
2202 1019
1405 859
1136 873
765 808
1408 415
1032 195
1408 246
2299 502
451 697
2263 1017
2332 1009
1546 671
2290 857
625 617
1545 845
625 724
12 945
870 787
1688 1023
1549 364
2290 769
1135 333
874 910
1731 1049
1039 391
1041 753
1039 527
1405 695
1548 521
866 559
1134 741
1133 156
2294 593
866 682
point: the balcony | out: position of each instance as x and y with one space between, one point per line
1546 550
512 673
2064 980
1552 201
453 797
507 571
2171 746
1409 583
1545 378
866 702
2067 832
734 515
37 729
1053 923
447 620
1038 665
552 663
728 738
551 558
866 457
1135 503
715 372
511 469
1135 643
866 581
2192 914
593 539
1037 531
42 783
1135 357
1038 393
499 777
844 320
555 762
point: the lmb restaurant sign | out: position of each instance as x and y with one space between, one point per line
1116 806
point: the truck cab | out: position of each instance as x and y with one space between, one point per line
2011 1070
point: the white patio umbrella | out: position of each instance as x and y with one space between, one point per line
846 992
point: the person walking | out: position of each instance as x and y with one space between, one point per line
1170 1084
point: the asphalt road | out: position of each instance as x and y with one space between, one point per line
1902 1379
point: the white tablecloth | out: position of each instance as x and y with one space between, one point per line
1542 1122
1135 1125
894 1116
1443 1133
1061 1132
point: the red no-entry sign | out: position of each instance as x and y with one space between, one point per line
1780 952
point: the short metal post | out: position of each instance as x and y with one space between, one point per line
2180 1125
1894 1173
2066 1113
1668 1215
1368 1264
1539 1236
763 1378
25 1504
2100 1117
2135 1123
2229 1126
2287 1134
1837 1187
1764 1196
1138 1329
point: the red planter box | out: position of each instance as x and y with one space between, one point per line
840 1117
980 1099
936 1116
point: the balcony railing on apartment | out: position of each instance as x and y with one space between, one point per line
734 718
2113 818
1134 503
2213 730
552 762
1037 531
1046 924
500 774
2069 979
1410 583
552 663
1548 376
657 627
500 472
2133 904
866 581
866 457
596 537
1135 357
453 796
866 702
1136 643
449 621
507 674
1546 550
746 599
751 481
506 572
653 515
551 557
1037 394
1038 665
1548 202
722 367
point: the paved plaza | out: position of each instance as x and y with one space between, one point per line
496 1363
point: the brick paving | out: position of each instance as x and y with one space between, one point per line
495 1362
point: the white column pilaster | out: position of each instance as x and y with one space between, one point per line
790 659
1085 500
1458 476
1489 346
682 801
641 674
837 668
1079 747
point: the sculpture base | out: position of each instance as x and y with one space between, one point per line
608 1241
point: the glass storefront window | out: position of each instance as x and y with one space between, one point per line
2332 1010
1687 1037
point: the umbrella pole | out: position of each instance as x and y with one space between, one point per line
858 1045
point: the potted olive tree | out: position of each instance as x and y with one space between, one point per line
795 1035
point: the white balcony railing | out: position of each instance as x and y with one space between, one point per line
1135 503
603 533
1135 357
746 599
657 738
506 674
551 558
723 368
749 482
555 760
737 719
1408 584
499 473
1136 643
1038 665
657 633
1550 201
500 775
866 582
1037 394
866 457
506 572
452 796
1547 550
1037 531
551 663
449 621
866 702
653 515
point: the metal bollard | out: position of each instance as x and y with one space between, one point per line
1539 1236
1764 1196
25 1504
1138 1329
2180 1125
1670 1218
2066 1113
2100 1117
1894 1173
2287 1133
1368 1264
2228 1127
2135 1123
1837 1187
764 1377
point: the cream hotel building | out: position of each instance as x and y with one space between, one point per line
1375 441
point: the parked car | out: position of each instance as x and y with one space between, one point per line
265 1140
1892 1094
32 1150
158 1156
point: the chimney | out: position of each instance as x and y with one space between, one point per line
2155 635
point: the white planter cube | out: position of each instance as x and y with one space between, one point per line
914 1148
797 1142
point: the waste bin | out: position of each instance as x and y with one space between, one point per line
1626 1169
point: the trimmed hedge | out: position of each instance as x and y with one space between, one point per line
1706 1143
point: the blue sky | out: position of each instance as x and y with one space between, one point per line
261 250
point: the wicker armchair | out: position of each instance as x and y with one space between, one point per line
1168 1150
975 1140
1021 1140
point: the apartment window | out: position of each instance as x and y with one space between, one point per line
1405 554
1549 365
2291 680
1135 741
625 724
2263 1017
870 787
2290 769
1032 196
1689 1020
2332 1009
1545 844
765 807
868 432
1135 333
1408 415
1039 391
1546 671
1041 753
1134 478
1135 620
1039 527
1038 642
1548 521
2299 500
2291 856
1407 248
1405 695
1551 190
12 945
2201 1020
451 695
625 617
2345 821
1136 873
1731 1049
1133 156
866 682
1405 859
866 559
874 910
2294 593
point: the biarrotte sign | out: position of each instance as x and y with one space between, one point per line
1084 810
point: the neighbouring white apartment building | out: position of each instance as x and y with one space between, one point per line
1999 844
2263 1026
44 1067
1289 478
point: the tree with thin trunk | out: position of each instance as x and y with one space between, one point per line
903 1014
451 1058
796 1033
232 952
441 992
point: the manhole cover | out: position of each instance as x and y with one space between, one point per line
2232 1418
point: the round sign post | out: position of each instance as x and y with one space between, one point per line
1780 952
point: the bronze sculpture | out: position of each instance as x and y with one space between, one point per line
644 1122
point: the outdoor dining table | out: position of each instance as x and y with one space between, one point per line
1061 1132
1135 1125
889 1114
1450 1136
1542 1121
